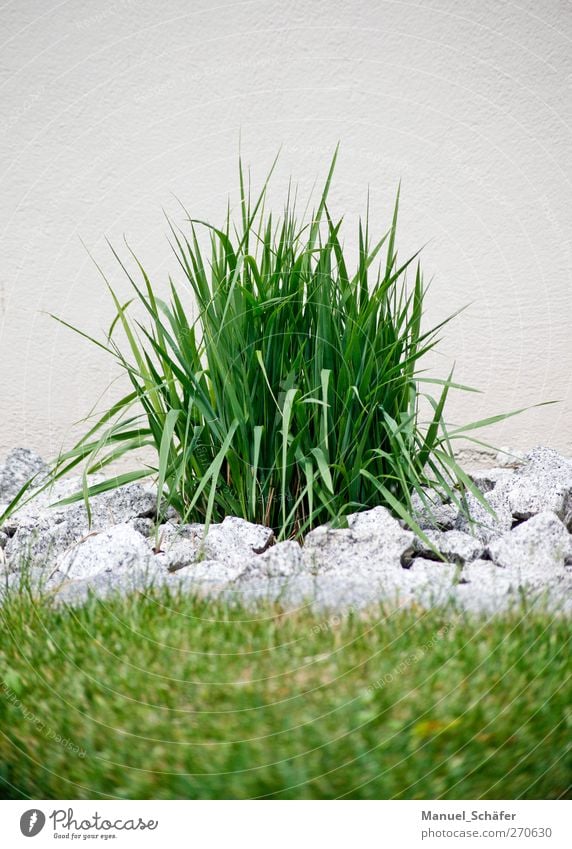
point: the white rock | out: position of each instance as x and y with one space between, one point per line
487 577
20 465
374 541
182 553
235 540
542 482
484 587
485 526
172 533
117 549
42 532
279 561
211 571
144 527
434 570
455 546
487 479
41 503
427 583
177 546
337 568
37 579
509 457
433 513
536 547
106 584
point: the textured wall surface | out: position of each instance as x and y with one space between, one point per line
110 109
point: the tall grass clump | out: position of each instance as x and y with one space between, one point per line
294 396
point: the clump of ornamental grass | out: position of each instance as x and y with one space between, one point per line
294 397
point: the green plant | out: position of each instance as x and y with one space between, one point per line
167 695
294 397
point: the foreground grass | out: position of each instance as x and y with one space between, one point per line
174 697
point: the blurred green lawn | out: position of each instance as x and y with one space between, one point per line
170 696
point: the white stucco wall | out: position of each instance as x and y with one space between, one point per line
109 109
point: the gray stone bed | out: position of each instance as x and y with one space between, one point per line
524 552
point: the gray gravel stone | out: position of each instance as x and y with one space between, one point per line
336 592
435 570
510 457
542 482
487 579
281 560
114 550
373 542
106 584
487 479
211 571
41 532
484 526
145 527
336 569
234 540
433 513
40 580
180 554
455 546
488 588
39 541
180 545
480 587
172 532
42 502
535 548
19 466
341 590
379 524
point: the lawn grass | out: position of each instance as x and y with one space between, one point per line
168 696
